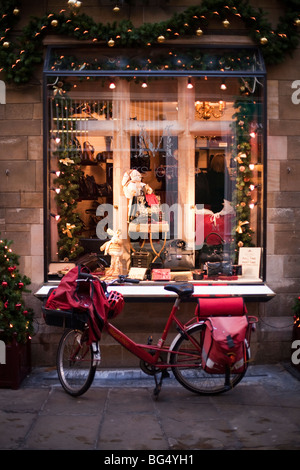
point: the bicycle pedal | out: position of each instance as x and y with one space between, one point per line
96 359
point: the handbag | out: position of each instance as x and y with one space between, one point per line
141 259
219 268
87 153
212 252
88 188
177 258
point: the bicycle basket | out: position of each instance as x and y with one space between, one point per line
116 304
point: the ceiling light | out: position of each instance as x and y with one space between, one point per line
189 84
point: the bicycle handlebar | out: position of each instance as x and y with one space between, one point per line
121 279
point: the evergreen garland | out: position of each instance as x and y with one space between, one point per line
17 60
67 191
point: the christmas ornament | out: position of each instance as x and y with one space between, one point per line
226 23
264 41
161 39
54 23
111 43
199 32
6 44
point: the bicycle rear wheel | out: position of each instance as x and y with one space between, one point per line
75 362
187 367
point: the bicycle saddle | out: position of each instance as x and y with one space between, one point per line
183 290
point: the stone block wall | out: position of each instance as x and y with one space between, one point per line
21 198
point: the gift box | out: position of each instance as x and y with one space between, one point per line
161 274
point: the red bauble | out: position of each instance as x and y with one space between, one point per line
4 283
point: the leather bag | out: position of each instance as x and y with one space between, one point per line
212 252
177 258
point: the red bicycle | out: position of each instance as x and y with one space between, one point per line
77 360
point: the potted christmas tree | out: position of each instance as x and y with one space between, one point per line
16 321
295 357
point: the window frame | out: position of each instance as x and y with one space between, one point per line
47 72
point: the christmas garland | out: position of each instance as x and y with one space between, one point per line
17 60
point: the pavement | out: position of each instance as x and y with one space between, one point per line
119 416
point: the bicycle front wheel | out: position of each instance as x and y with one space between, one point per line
75 365
187 368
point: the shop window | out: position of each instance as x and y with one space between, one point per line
173 161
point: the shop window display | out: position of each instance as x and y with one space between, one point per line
159 177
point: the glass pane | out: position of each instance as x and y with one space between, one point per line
229 174
166 162
156 59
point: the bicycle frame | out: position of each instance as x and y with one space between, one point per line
140 350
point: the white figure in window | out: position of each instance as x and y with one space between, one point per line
136 191
114 248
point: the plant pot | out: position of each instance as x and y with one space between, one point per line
17 364
295 358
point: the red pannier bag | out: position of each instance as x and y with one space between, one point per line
83 296
224 345
220 306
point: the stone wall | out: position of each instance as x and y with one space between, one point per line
21 196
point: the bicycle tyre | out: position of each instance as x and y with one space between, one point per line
195 378
75 365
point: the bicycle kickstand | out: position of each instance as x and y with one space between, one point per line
158 385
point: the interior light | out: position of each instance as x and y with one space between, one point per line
223 86
189 84
144 84
55 216
112 85
252 134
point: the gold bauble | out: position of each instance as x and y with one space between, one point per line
297 21
16 11
263 41
225 23
111 42
6 44
54 23
199 32
161 38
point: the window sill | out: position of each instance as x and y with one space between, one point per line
253 290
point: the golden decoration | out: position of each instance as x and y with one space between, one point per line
239 227
161 38
66 161
54 23
199 32
111 42
226 23
263 41
68 229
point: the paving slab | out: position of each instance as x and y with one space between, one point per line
119 415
